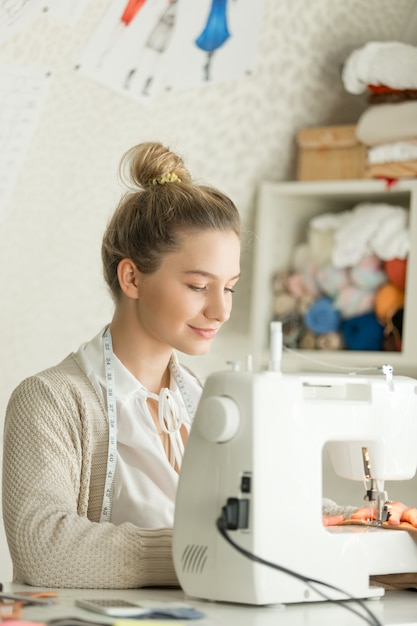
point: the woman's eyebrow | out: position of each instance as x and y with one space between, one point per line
208 274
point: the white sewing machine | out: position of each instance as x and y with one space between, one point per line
255 451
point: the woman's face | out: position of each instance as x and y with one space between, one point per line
186 301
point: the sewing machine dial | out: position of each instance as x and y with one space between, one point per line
218 419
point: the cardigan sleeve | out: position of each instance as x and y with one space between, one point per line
47 466
331 508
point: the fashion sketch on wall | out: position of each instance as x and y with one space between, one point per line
142 47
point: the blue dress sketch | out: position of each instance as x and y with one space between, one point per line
215 32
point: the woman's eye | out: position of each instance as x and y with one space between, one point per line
196 288
229 290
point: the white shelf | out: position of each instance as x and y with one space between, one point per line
283 213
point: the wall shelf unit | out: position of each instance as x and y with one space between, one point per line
283 213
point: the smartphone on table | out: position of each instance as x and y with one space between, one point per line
114 607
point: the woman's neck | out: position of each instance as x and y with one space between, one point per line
141 357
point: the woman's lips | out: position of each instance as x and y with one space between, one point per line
206 333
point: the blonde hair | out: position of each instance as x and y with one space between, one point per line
161 203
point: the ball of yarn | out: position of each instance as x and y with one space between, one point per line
396 270
295 285
322 317
304 303
363 332
279 281
352 301
388 299
329 341
308 340
331 280
309 272
368 273
283 304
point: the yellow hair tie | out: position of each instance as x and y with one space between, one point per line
170 177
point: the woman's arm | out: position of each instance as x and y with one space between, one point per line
47 463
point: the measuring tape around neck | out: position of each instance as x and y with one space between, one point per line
179 379
112 417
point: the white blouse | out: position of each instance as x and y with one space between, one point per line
145 479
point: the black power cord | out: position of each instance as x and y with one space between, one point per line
222 524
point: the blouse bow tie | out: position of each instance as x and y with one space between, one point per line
170 409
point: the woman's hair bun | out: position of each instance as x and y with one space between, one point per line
151 163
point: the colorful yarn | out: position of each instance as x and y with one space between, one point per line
308 340
331 280
296 285
304 303
330 341
283 304
322 317
396 270
352 301
363 332
388 300
279 281
368 273
309 272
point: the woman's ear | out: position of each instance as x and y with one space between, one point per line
129 278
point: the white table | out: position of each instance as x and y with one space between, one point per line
394 609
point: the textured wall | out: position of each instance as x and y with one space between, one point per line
232 135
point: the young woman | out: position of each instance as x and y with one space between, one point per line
93 445
74 517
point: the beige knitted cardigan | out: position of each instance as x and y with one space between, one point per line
54 463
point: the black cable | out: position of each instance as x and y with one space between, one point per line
221 524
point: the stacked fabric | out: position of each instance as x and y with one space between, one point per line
346 286
387 71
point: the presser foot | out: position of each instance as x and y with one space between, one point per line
383 516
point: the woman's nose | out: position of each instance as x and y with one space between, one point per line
219 308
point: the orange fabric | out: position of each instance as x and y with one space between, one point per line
385 89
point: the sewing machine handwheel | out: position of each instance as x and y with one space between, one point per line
218 419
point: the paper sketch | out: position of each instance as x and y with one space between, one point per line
144 46
23 91
17 15
67 11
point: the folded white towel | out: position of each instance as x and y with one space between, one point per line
384 123
391 240
389 63
329 221
367 229
380 229
393 152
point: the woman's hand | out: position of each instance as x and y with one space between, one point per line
399 512
332 520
